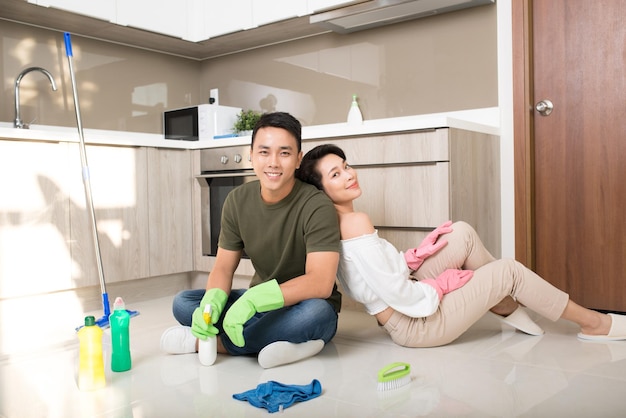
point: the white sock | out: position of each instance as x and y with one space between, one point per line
178 340
284 352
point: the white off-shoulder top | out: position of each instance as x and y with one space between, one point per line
373 272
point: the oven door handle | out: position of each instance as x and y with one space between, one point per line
228 174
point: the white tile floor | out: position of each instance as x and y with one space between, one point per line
492 371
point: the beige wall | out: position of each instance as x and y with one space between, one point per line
119 87
442 63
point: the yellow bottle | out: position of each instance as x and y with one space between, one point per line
90 359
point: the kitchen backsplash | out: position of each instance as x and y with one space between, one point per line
435 64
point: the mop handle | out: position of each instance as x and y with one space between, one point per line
86 177
68 51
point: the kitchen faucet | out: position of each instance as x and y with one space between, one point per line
18 122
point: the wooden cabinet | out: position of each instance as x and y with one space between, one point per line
142 201
142 198
120 196
414 181
169 211
405 196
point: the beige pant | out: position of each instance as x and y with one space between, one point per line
493 280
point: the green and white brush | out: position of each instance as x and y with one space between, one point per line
394 376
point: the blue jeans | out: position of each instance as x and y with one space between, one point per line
311 319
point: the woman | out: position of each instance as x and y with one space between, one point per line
411 306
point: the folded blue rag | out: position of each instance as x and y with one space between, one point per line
272 395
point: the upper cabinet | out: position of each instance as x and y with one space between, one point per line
270 11
99 9
228 17
193 20
314 6
165 17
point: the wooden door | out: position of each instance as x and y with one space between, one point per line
576 173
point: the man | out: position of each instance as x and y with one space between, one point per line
289 230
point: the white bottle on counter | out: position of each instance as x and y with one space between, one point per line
354 115
207 349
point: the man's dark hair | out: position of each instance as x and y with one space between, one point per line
308 167
280 120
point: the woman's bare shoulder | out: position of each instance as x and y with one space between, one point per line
355 224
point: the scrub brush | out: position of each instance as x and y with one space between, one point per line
394 376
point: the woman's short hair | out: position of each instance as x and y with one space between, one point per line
308 167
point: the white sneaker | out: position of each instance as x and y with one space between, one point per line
178 340
284 352
520 320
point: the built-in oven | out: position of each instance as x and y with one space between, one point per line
222 169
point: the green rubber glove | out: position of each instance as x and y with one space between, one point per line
217 299
260 298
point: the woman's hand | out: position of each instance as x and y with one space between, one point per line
430 245
449 280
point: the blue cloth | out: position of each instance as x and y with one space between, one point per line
271 395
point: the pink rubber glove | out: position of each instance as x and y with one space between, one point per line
449 280
430 245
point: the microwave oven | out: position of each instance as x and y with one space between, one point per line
201 122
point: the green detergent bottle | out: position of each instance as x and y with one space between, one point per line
120 337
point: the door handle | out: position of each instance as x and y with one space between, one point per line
544 107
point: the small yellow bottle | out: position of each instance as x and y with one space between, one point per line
90 359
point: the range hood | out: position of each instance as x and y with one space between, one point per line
371 14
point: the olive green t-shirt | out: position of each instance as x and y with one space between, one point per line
277 237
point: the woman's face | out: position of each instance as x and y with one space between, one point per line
339 180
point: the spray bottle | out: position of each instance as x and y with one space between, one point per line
207 349
90 359
354 115
120 337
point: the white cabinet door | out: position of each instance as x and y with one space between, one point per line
223 17
161 16
99 9
35 256
315 6
269 11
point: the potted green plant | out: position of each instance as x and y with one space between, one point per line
245 122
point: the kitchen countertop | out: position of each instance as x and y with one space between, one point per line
485 120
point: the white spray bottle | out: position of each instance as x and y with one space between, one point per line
207 349
354 115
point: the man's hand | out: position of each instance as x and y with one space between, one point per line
430 245
260 298
217 299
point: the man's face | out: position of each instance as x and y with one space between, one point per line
275 158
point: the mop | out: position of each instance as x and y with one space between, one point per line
103 322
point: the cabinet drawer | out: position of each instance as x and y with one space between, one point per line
400 148
405 196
